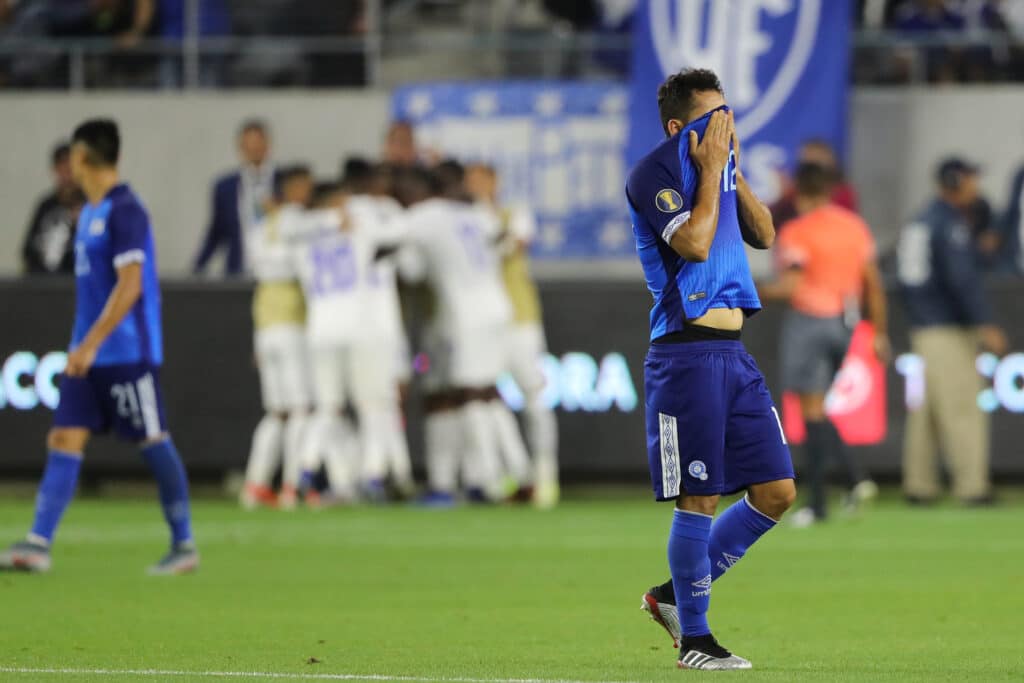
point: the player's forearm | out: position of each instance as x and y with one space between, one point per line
693 240
755 218
875 295
123 297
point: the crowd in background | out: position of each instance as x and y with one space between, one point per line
27 26
938 41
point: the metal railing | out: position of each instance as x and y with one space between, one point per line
377 58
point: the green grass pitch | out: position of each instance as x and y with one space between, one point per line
500 594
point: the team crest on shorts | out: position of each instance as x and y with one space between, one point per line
698 470
668 201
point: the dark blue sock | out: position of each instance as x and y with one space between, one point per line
55 492
732 534
166 466
691 570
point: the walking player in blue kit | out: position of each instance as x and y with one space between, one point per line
712 428
112 380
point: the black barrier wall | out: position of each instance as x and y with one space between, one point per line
597 332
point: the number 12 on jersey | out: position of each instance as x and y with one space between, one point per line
729 174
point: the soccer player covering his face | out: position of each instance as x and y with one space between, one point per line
112 380
712 428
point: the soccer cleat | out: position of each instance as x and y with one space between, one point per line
546 494
183 558
436 499
704 652
27 557
257 495
803 518
660 605
288 499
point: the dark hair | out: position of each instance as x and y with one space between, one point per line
411 185
449 177
324 190
358 174
813 180
675 96
60 153
289 173
253 125
101 139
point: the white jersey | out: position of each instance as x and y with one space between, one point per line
269 254
385 309
455 243
337 269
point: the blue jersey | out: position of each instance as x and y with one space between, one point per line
661 190
111 234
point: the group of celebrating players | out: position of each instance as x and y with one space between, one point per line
341 267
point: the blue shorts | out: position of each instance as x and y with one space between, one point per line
711 425
123 398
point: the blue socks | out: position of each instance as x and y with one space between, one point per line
166 466
732 534
691 570
55 492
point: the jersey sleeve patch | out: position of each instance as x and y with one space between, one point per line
668 201
128 226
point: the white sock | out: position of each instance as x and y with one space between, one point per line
265 453
295 433
510 441
481 461
396 448
443 436
339 456
374 466
542 433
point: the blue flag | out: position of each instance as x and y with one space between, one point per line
784 65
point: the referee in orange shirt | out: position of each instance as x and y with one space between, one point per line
827 262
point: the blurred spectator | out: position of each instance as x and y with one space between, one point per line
239 200
400 145
49 246
819 152
213 20
949 315
22 20
985 234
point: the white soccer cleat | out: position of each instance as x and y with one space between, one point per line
803 518
26 557
661 609
704 652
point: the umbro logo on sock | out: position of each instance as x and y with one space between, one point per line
703 583
730 559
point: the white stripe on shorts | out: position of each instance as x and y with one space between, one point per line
671 478
150 410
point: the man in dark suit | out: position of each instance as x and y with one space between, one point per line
238 201
49 246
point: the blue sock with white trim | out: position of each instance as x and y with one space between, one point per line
165 463
733 532
56 489
691 570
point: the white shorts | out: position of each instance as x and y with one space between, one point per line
283 360
526 350
478 357
361 374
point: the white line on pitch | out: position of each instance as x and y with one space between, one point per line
282 676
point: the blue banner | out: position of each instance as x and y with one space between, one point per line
559 148
783 63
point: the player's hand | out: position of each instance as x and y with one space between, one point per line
711 154
993 339
883 348
735 139
80 359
